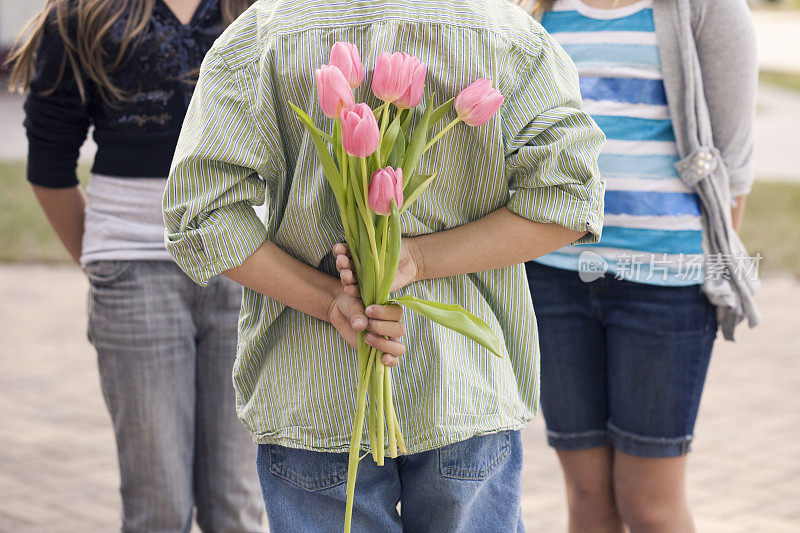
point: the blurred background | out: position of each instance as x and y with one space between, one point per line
57 460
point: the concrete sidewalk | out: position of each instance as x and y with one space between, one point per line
57 460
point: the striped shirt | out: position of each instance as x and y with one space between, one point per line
653 226
295 377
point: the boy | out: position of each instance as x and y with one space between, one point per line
461 408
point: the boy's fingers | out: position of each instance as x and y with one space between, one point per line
387 346
343 261
340 249
352 290
391 312
354 310
390 360
358 322
387 328
347 277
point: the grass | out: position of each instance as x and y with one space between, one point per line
773 215
25 235
771 218
787 80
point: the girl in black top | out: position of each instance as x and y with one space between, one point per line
165 346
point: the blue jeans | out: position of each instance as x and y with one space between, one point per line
470 486
622 363
165 348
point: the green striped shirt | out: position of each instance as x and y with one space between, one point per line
241 146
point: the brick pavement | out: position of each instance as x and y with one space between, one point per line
57 461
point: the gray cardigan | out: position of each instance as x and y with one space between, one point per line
708 59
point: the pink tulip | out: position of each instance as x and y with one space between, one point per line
393 75
346 58
334 92
478 103
386 185
413 95
360 134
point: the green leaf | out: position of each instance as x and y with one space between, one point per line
328 165
390 135
366 276
417 185
416 147
395 159
441 111
456 318
406 126
309 124
392 253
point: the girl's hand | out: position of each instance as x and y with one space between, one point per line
408 270
383 323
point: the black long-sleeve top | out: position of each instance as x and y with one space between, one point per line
136 137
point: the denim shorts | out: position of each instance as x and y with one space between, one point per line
622 363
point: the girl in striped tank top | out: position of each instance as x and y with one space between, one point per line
625 331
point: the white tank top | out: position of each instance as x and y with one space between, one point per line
123 220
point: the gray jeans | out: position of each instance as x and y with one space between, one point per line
165 349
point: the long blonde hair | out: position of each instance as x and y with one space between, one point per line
83 25
535 7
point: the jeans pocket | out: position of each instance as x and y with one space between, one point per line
105 273
474 458
308 470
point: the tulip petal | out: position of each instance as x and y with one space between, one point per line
486 109
381 76
345 57
360 134
413 95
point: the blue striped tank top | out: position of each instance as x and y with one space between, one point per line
652 231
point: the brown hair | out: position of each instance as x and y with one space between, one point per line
82 25
536 7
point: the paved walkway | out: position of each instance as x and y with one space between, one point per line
57 459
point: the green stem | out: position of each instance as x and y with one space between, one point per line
441 134
355 442
388 395
352 214
364 180
343 156
379 403
362 210
401 443
362 353
382 115
383 227
369 221
373 415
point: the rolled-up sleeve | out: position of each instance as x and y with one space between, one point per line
214 181
552 146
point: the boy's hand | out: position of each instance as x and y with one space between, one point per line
408 269
383 323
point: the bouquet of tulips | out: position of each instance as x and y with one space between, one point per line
371 170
